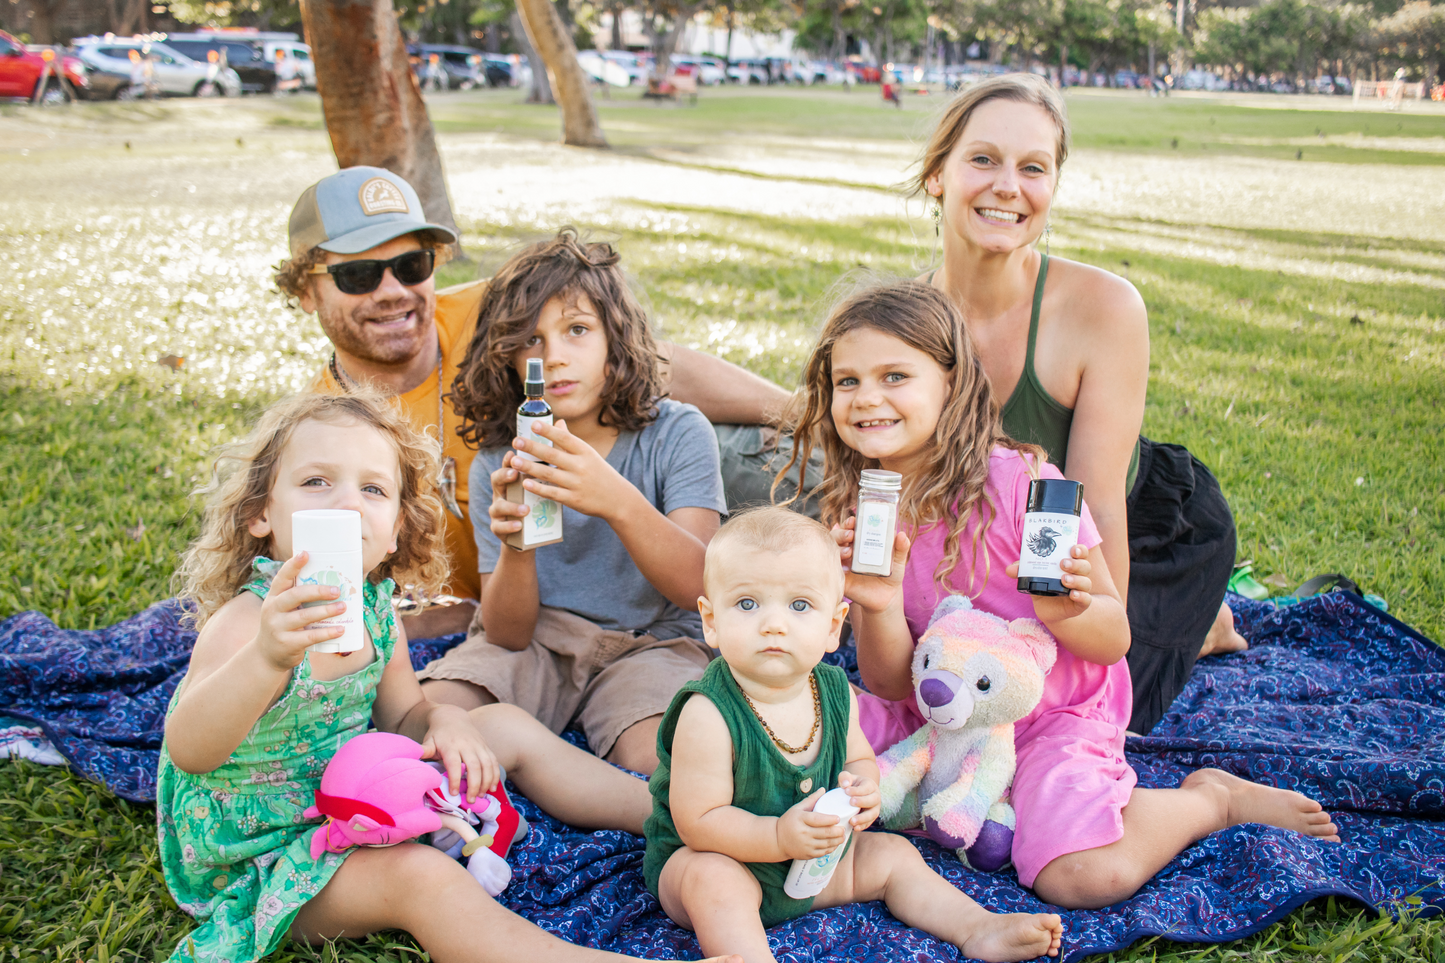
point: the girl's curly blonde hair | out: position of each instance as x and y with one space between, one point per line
953 484
218 563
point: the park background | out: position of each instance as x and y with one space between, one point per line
1291 254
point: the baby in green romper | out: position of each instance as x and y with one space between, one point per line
746 751
258 716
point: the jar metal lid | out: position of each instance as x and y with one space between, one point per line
879 480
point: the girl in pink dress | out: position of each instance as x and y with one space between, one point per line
895 383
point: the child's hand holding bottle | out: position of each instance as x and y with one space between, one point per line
1053 609
872 593
283 637
506 515
804 834
863 793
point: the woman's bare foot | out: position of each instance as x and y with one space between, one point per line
1222 638
1249 802
1015 936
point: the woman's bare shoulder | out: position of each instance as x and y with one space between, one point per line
1099 300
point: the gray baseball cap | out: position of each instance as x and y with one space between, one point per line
356 209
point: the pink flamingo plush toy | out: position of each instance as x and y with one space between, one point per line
377 791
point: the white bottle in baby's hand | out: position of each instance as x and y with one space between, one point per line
332 541
809 877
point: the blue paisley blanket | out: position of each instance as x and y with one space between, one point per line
1334 699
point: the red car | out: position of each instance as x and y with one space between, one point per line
20 70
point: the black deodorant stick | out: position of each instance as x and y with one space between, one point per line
1051 529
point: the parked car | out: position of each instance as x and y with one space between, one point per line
173 72
462 66
245 55
499 71
822 72
602 70
630 63
749 71
708 71
20 70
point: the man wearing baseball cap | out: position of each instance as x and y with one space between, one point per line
362 259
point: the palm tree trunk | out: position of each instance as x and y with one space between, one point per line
372 105
580 127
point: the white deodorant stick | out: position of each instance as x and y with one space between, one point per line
332 541
808 877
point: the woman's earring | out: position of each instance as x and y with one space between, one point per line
936 213
1048 234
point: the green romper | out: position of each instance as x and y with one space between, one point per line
764 782
235 848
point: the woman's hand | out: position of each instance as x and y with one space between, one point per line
863 793
506 516
573 474
1052 609
871 593
804 834
283 637
452 738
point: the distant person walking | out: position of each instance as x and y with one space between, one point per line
890 89
287 76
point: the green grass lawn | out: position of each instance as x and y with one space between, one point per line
1317 399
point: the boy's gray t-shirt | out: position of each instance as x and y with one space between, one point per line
674 463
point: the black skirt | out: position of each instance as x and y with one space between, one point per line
1181 554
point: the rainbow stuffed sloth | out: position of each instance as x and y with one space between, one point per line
974 676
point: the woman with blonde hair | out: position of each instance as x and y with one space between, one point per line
1066 347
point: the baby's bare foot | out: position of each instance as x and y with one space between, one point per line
1249 802
1015 936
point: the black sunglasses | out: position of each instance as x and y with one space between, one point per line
363 277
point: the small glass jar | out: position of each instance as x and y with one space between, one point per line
877 522
1051 530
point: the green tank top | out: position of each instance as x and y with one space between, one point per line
764 782
1031 414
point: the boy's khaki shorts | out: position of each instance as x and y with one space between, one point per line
605 680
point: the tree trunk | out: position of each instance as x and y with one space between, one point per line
665 45
541 89
617 9
580 127
728 47
840 40
42 21
372 105
125 15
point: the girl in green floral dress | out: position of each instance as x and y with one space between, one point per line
254 723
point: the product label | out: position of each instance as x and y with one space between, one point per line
334 571
873 538
525 432
544 522
1048 537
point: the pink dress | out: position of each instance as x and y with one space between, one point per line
1072 782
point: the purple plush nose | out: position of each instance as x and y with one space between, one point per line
935 693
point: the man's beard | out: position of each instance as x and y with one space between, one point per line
349 334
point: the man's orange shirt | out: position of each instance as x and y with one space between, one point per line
456 319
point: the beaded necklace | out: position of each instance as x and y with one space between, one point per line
812 733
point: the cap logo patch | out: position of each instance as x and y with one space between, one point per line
380 196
